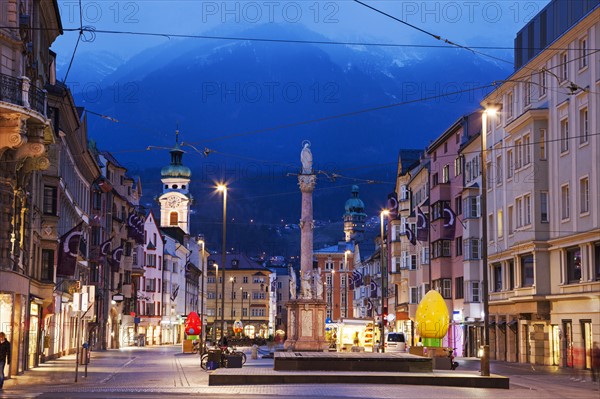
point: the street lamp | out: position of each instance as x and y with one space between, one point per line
202 278
485 358
384 278
216 303
346 253
242 308
232 295
223 188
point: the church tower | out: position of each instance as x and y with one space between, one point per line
354 218
176 200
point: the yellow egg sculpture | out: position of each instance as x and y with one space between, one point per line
432 316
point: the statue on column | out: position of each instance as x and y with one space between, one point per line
292 283
306 284
307 160
318 283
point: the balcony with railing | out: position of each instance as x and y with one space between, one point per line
19 91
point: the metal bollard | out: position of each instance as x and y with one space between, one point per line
254 352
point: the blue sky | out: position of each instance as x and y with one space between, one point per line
473 23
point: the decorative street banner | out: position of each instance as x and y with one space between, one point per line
135 227
373 288
69 249
449 222
105 247
115 259
410 234
393 205
422 226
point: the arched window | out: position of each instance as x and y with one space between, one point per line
174 219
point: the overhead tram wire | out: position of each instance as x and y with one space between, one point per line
342 115
77 43
94 31
472 49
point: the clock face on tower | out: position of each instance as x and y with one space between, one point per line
173 201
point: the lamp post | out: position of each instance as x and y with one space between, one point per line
232 295
485 358
216 304
346 253
202 279
222 188
384 278
242 307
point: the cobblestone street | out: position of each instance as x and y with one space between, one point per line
166 372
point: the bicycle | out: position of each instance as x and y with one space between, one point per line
225 351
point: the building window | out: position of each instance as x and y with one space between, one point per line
150 284
499 169
597 261
509 219
97 200
50 200
446 174
458 205
458 244
564 135
458 166
518 153
47 265
527 93
544 207
459 290
543 153
329 265
573 265
527 274
499 224
527 209
565 205
542 83
425 256
583 53
440 248
526 150
519 206
474 294
510 105
584 195
434 180
583 126
447 288
173 219
511 274
245 280
509 164
472 207
564 66
414 295
497 277
472 249
438 209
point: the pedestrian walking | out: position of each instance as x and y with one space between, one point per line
4 356
596 363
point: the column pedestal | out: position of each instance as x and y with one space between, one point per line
306 326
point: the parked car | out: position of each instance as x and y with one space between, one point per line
395 342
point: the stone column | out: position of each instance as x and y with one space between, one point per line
307 186
306 315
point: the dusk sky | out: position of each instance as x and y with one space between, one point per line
473 23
